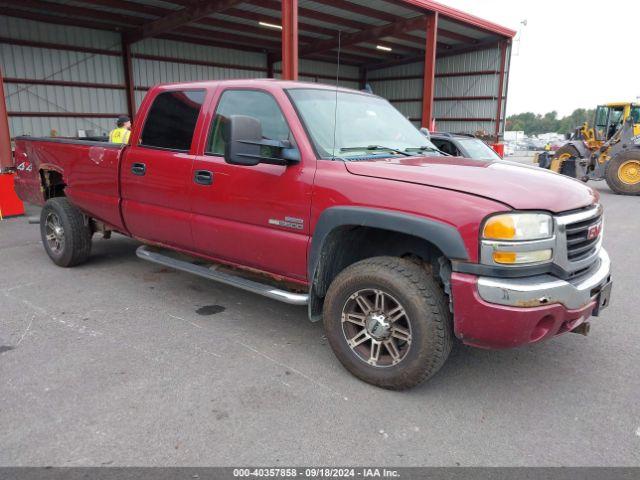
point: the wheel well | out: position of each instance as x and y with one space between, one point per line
52 184
347 245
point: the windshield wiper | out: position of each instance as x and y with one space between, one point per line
422 149
375 148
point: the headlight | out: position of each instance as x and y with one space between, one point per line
517 239
518 226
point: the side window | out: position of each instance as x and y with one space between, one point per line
445 146
172 119
252 103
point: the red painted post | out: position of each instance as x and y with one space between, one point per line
290 39
128 77
429 69
5 137
503 61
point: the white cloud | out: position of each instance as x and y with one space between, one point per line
571 54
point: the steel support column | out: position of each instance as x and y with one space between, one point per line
270 71
290 39
5 137
503 62
429 69
128 78
363 74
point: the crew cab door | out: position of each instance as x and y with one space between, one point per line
156 170
254 216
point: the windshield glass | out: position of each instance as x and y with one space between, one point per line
478 149
367 126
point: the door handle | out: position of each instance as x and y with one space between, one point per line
203 177
138 169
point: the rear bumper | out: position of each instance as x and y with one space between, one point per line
504 313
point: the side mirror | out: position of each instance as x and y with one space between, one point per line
244 144
425 131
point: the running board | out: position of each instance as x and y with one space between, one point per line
269 291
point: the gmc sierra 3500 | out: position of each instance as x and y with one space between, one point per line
330 198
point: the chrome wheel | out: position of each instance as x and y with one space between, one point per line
376 327
54 233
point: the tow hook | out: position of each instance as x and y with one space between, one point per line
582 329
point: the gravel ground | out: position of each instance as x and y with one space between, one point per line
120 362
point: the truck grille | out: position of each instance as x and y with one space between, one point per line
583 238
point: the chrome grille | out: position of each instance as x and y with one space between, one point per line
575 252
579 245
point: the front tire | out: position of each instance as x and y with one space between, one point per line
388 322
622 173
65 234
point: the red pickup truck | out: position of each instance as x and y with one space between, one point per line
330 198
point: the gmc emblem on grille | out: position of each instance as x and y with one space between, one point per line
594 231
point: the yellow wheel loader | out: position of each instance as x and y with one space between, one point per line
610 150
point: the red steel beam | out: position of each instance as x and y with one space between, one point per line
63 83
128 78
460 17
40 17
390 17
6 160
118 18
455 119
290 39
444 99
503 61
437 75
64 114
57 46
179 18
431 26
372 34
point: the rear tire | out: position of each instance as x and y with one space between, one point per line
406 334
622 173
65 234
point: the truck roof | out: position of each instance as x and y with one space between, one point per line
266 83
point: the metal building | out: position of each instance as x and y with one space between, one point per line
71 65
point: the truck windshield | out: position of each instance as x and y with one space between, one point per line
354 126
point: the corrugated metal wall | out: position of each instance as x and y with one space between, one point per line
323 72
149 72
474 74
23 62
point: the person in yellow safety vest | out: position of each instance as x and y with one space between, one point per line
123 132
547 147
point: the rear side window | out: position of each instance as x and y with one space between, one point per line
172 120
252 103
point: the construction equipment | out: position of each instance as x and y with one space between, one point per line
610 150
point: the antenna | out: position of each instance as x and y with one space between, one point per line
335 108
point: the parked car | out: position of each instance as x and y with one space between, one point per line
467 146
332 199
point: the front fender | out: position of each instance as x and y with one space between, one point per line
445 237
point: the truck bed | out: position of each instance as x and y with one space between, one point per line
87 169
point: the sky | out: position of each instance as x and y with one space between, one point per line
571 53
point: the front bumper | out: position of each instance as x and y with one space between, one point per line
546 289
503 313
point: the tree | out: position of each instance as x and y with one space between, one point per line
535 124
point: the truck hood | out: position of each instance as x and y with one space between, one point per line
515 185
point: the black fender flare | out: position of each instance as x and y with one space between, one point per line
446 237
